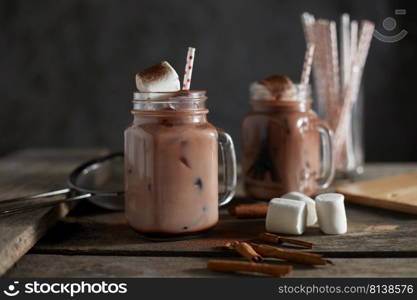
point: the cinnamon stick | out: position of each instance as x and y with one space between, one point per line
243 266
276 239
245 250
255 210
290 255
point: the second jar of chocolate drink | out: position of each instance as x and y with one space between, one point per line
171 165
285 146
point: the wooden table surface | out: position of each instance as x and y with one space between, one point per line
93 242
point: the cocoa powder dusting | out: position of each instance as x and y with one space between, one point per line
280 86
154 73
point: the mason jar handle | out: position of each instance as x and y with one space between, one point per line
327 163
228 156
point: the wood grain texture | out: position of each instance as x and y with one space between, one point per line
88 230
93 231
127 266
372 171
397 193
100 242
28 172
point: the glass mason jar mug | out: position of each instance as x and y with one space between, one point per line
286 147
171 165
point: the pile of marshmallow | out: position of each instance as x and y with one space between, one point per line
293 212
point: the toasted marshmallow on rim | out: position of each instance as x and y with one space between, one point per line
276 87
158 78
258 91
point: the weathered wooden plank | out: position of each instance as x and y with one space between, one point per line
28 172
94 231
380 170
88 230
372 232
372 171
34 265
376 170
397 193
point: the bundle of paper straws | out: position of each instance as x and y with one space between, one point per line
337 82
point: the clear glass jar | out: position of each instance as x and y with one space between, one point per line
286 147
171 165
349 147
350 153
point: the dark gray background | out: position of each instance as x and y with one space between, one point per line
67 67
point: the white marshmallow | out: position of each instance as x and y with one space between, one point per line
258 91
159 78
286 216
311 205
331 213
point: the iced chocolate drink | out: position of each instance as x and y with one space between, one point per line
171 164
282 141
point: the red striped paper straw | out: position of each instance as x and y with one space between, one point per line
188 68
308 60
307 21
335 74
320 63
364 44
345 48
353 41
357 70
342 130
324 54
359 60
311 34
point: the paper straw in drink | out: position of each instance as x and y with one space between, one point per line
189 63
308 60
308 26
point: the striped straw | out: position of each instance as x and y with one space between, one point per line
334 61
353 41
308 60
360 59
364 43
310 32
345 48
352 90
308 22
323 50
188 68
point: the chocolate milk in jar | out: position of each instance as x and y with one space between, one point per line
171 165
285 146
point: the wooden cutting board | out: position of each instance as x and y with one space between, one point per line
397 193
28 172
